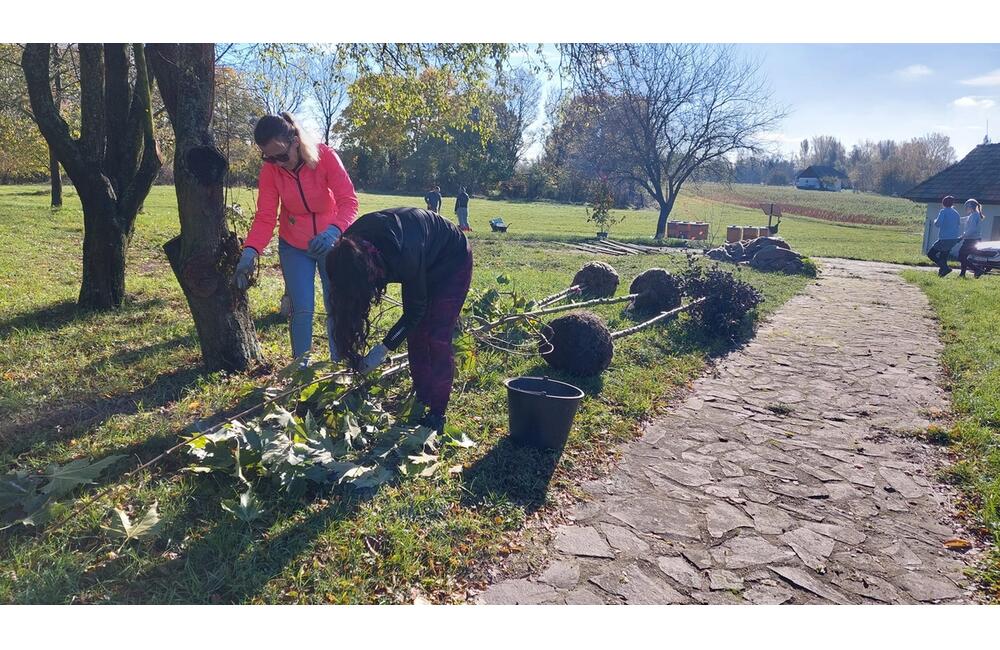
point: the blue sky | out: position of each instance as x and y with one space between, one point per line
882 91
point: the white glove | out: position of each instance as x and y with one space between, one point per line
375 357
244 269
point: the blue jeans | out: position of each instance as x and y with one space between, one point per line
299 269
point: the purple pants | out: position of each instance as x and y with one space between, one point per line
428 345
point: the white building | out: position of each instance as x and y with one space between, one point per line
977 176
820 177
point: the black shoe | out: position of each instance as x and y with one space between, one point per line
978 273
432 421
943 272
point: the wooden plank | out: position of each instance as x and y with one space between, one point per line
642 248
593 249
609 248
626 248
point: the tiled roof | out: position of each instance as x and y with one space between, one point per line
820 171
977 176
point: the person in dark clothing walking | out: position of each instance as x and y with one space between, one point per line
432 260
433 199
462 210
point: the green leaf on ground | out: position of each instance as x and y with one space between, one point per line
148 526
64 478
248 508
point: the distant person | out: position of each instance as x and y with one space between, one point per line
948 223
971 236
433 199
462 210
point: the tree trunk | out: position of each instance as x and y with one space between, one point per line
104 247
56 175
204 255
661 223
110 196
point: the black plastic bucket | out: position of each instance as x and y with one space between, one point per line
541 410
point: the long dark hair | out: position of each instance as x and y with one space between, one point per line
356 283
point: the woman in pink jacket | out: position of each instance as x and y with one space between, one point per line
317 203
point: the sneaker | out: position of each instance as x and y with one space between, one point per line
943 272
978 272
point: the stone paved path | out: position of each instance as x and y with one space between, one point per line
787 476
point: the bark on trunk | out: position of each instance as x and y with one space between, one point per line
110 193
204 255
104 252
661 223
56 175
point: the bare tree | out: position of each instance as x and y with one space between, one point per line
664 110
113 162
520 92
327 77
275 74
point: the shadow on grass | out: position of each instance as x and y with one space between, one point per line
513 472
230 562
70 419
56 315
64 422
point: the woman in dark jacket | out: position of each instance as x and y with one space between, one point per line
432 260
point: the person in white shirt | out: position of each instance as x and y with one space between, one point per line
971 235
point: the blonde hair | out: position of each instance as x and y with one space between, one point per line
308 148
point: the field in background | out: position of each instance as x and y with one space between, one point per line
561 222
843 207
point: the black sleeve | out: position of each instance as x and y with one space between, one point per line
414 305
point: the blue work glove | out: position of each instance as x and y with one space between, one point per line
244 269
374 358
322 243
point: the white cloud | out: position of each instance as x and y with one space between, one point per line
988 79
915 71
974 102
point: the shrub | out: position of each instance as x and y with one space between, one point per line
730 303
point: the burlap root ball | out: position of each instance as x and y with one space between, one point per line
597 280
580 344
658 291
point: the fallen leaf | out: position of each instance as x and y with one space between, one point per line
957 544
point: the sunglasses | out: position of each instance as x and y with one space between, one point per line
278 158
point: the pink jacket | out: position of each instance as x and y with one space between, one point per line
311 200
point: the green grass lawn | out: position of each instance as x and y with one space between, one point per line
969 312
91 384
